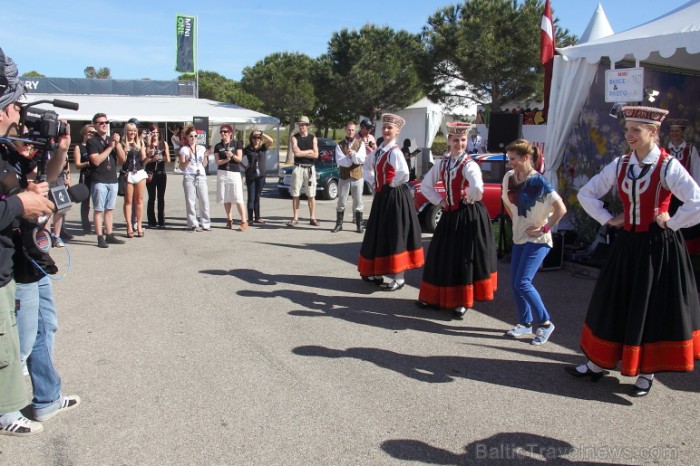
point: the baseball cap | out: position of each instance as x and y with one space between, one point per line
366 122
11 89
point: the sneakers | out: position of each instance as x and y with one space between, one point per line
111 239
68 403
101 242
21 427
519 329
542 334
57 242
177 170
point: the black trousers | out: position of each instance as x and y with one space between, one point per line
156 187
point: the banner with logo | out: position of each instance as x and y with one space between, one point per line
185 28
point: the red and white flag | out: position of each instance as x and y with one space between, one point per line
547 44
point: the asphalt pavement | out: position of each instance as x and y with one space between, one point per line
265 348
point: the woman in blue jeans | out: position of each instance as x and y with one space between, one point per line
535 208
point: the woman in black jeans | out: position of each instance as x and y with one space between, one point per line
157 154
254 160
80 158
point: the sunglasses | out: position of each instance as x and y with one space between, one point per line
106 122
191 135
224 131
256 137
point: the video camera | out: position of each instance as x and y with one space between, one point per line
44 125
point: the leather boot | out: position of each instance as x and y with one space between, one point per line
358 221
338 222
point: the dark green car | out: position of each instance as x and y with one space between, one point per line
327 175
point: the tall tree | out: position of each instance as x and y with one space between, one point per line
486 51
373 69
214 86
283 82
33 74
102 73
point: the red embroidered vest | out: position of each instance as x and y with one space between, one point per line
643 197
454 181
383 170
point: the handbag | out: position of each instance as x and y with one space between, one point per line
121 184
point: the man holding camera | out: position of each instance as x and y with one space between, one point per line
31 203
103 162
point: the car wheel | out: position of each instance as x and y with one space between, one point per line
433 215
331 190
283 192
367 188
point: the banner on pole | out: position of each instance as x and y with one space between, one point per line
185 43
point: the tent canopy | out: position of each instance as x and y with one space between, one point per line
656 42
423 120
671 41
157 109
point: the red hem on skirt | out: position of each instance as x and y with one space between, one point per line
677 356
394 263
459 295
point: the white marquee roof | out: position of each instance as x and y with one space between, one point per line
156 109
672 40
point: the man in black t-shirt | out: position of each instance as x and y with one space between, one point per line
103 163
305 151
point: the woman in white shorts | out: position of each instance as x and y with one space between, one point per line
134 151
229 182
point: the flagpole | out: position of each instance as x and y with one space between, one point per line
196 53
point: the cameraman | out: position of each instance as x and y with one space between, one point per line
31 203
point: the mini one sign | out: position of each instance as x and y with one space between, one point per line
624 85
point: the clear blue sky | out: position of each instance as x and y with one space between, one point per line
136 39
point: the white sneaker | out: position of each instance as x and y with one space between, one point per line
177 170
21 427
519 329
69 402
542 335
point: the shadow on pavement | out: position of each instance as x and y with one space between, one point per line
503 448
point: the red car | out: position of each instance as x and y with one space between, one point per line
493 168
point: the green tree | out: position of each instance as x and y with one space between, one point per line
485 50
373 69
332 107
102 73
33 74
283 82
214 86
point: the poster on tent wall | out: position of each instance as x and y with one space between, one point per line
624 85
598 138
185 33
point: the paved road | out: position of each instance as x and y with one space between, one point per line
265 348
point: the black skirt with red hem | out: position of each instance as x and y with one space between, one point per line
644 311
392 241
461 265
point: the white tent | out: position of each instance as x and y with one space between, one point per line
671 41
162 109
423 120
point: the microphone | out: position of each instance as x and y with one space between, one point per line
65 104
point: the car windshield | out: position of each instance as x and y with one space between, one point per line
492 171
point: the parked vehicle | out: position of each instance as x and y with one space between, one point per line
327 173
493 168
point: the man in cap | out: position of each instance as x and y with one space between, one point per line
474 143
28 204
305 151
365 135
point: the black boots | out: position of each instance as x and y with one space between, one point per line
338 222
358 221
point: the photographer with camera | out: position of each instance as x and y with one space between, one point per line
31 203
103 164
